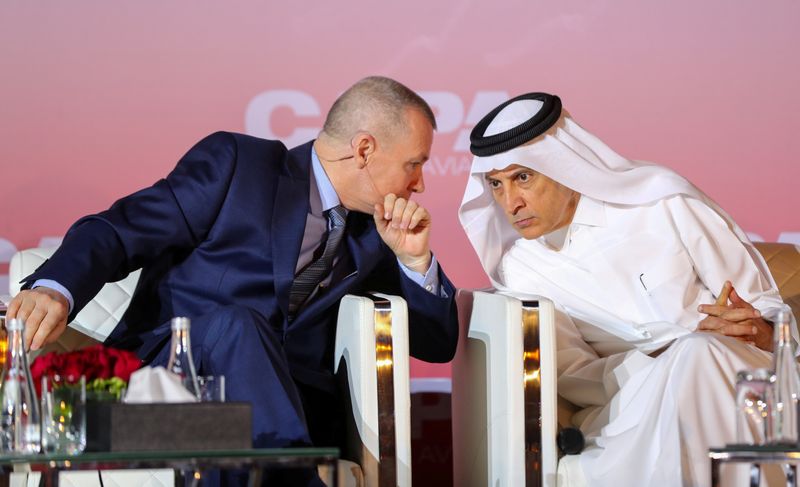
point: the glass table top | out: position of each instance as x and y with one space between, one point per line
258 455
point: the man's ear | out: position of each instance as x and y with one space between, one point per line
364 145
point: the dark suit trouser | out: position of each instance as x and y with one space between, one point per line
229 341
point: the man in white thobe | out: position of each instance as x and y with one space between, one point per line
636 259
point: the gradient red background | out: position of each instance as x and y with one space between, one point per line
101 98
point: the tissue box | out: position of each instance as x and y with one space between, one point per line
117 427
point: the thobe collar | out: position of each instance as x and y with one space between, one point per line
589 212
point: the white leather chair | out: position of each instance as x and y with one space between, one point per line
371 354
506 410
96 320
504 392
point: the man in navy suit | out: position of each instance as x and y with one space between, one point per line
223 237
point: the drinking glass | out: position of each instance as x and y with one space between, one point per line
63 415
212 388
754 404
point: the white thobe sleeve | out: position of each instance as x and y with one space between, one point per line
584 378
717 255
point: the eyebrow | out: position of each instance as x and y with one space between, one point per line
421 158
514 174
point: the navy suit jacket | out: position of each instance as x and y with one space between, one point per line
225 228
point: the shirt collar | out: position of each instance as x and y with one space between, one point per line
327 193
590 212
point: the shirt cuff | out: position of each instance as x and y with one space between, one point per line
430 281
56 287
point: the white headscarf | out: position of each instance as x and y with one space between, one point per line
575 158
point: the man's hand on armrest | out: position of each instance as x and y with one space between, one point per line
45 312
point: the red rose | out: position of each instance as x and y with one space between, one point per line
126 364
46 365
40 366
49 365
95 362
71 371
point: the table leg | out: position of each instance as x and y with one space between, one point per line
715 466
791 474
254 478
49 477
755 474
5 476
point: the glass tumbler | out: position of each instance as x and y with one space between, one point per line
212 388
754 404
63 415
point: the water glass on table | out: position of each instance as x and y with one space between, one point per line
754 407
212 388
63 406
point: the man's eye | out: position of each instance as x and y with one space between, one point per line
494 184
524 177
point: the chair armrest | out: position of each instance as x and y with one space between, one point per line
371 361
99 317
504 391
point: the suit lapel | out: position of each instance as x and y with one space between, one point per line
289 220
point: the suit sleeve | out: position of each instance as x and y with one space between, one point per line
176 213
432 319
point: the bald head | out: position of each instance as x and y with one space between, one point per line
375 104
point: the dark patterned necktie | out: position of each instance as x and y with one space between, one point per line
307 279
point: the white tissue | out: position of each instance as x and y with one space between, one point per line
156 384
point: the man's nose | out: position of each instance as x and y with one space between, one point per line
418 185
512 201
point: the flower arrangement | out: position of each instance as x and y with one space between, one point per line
107 370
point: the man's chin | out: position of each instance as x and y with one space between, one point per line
529 232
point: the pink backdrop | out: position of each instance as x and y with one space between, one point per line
101 98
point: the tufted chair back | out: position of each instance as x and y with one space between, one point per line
783 260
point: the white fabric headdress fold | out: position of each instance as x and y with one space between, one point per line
570 155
